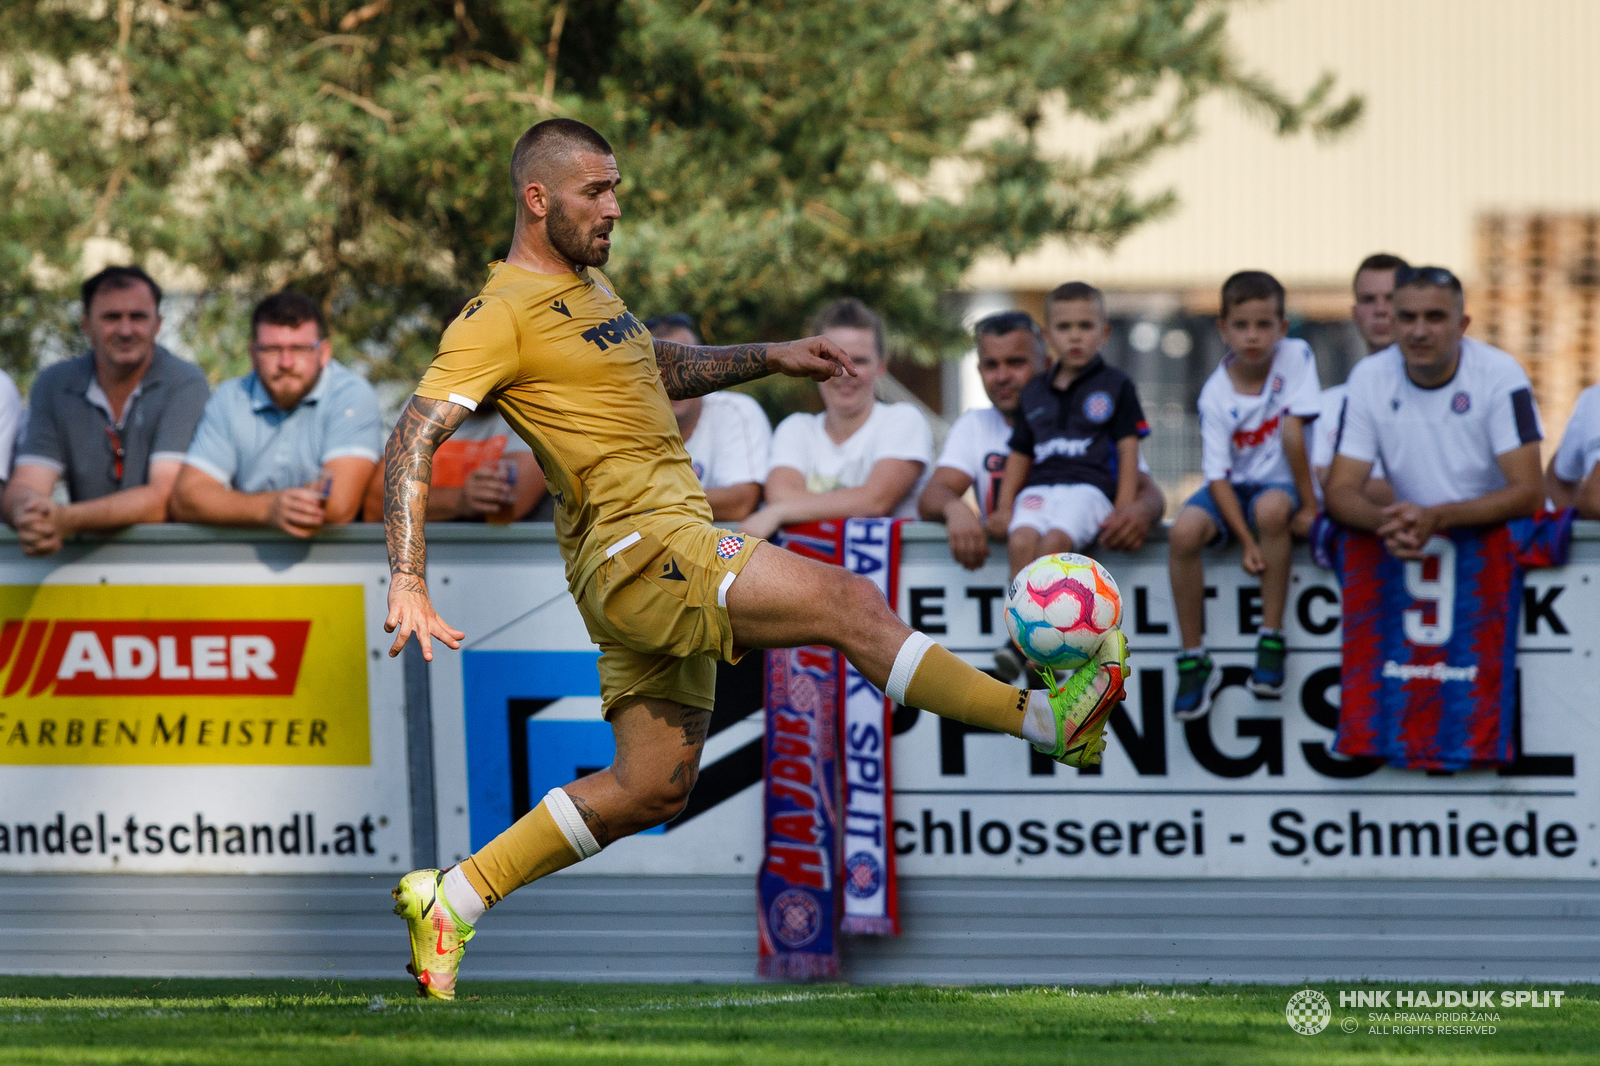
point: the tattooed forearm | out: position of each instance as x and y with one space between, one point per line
407 471
689 371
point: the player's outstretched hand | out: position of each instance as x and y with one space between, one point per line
816 358
411 611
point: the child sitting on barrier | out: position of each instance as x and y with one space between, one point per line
1075 446
1253 411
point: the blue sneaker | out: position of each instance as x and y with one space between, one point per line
1266 680
1198 680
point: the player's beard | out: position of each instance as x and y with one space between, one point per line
568 237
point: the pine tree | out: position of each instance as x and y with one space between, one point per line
775 153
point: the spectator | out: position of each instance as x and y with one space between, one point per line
1570 481
114 422
1373 313
10 425
727 435
1253 411
858 458
1452 420
485 472
1011 352
290 445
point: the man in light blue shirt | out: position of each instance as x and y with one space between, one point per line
291 445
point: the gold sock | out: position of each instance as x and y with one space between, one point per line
948 687
533 847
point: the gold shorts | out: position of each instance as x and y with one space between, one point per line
658 608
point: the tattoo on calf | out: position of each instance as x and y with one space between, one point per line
591 818
690 370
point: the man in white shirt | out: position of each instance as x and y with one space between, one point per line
1571 481
858 458
1373 313
726 434
1452 419
1011 352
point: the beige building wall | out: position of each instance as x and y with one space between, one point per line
1472 106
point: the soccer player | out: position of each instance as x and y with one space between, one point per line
1253 411
663 593
1373 313
1452 419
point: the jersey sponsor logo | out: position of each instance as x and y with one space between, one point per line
1461 403
1071 447
1097 407
614 331
1254 438
728 547
560 308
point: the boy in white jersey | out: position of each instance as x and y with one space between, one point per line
1570 481
1452 419
726 434
1253 412
1373 314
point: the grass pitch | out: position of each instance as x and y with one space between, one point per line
242 1023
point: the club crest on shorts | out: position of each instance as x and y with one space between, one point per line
1097 407
728 547
796 918
862 875
1461 403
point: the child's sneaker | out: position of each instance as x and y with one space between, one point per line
1266 680
1198 681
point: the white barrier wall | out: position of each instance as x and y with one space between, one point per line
227 697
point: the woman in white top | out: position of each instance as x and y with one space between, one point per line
859 458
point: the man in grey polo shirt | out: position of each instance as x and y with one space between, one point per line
291 445
113 423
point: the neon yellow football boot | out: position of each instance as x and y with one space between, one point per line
1084 700
438 935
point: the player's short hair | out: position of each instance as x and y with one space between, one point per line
1378 261
288 308
676 320
848 313
1076 290
1003 323
1251 285
117 277
547 142
1437 277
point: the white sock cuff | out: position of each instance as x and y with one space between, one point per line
905 665
570 822
461 896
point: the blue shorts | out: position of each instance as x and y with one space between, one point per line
1248 493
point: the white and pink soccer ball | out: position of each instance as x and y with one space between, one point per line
1059 609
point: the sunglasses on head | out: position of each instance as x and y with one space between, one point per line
1426 275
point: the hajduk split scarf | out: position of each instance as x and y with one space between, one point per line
819 877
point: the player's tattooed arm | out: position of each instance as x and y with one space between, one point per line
407 472
688 371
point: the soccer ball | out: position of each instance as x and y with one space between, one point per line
1059 609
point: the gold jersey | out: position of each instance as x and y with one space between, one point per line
574 374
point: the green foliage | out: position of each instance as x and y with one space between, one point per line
775 152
